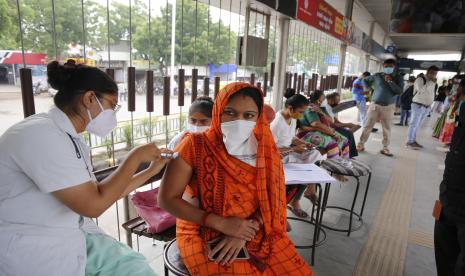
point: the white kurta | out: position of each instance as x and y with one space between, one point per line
283 133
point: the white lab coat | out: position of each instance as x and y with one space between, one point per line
39 235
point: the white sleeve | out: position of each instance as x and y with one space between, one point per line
175 141
418 86
49 158
275 129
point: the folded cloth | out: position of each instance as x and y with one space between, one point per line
157 219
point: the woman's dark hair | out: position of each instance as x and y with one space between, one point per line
72 80
332 96
254 94
297 101
316 95
202 105
289 93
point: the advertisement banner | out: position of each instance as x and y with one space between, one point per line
323 16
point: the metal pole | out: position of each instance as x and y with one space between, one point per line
173 44
280 67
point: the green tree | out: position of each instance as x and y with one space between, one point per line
201 45
9 32
191 43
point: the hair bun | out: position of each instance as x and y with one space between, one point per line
204 99
289 93
59 75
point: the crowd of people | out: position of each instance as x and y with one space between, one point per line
226 187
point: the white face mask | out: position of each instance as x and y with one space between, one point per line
239 140
196 129
237 132
324 103
103 123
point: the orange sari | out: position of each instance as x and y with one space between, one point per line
229 187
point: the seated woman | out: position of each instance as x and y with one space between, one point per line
294 150
235 173
200 118
324 137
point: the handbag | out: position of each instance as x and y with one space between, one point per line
157 219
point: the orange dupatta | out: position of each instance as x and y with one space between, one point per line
269 181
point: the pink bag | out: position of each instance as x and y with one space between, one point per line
157 219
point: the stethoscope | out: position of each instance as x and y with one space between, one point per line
79 154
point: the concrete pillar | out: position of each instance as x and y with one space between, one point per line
280 67
367 56
342 53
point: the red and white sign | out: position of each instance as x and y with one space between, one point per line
16 57
323 16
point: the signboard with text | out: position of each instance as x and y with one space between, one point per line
322 16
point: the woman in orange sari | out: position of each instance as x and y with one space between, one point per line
228 185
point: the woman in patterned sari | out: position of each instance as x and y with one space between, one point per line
315 128
228 184
450 119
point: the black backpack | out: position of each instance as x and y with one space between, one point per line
406 98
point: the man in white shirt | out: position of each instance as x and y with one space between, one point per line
423 98
346 129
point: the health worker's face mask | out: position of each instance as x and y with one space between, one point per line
103 123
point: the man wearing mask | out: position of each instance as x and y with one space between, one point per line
386 85
423 97
358 95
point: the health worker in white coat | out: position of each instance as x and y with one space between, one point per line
48 192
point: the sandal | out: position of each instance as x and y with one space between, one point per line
313 198
298 212
386 152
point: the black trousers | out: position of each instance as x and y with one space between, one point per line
449 246
350 136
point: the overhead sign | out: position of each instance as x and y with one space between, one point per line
411 64
287 7
323 16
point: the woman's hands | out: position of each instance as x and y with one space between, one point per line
238 228
300 148
226 250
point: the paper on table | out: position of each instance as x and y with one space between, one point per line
305 174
